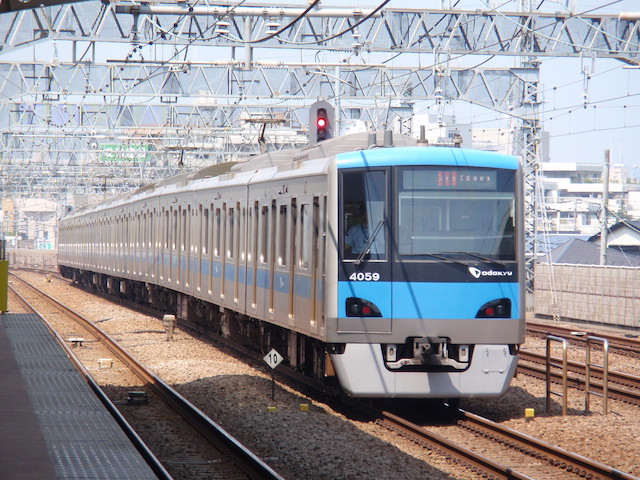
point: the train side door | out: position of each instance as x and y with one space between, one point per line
365 283
281 271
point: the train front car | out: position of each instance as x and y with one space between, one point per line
430 295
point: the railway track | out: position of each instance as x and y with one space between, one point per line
219 453
519 456
621 386
492 454
627 345
511 455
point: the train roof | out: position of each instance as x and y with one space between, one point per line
444 156
357 149
328 148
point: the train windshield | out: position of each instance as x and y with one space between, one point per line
455 212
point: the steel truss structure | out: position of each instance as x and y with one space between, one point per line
95 123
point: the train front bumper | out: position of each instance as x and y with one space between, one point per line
362 373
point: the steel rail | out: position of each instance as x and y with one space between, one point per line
626 344
472 459
194 416
580 368
476 462
555 456
568 461
153 462
533 364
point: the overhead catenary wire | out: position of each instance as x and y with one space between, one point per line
163 64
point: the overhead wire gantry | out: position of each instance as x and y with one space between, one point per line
129 95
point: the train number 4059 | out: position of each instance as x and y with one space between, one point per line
364 277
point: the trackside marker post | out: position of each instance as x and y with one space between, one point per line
273 359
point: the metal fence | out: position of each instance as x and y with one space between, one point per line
591 293
19 257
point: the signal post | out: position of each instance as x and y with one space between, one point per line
4 277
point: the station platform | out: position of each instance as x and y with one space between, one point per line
52 425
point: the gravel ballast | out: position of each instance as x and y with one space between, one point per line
321 443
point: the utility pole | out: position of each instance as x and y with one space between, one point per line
604 209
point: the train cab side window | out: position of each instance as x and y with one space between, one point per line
363 210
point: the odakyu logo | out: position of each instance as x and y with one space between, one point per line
477 273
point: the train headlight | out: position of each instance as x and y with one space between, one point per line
359 307
500 308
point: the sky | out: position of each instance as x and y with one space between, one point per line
583 118
578 131
610 118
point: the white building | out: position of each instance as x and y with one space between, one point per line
573 195
30 223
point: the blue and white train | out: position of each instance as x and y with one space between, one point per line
397 270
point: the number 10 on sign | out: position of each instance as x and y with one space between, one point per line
273 359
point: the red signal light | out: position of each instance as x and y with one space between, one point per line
322 123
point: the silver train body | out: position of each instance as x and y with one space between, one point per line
431 306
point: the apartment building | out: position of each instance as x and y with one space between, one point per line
573 194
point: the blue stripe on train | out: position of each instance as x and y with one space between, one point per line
428 300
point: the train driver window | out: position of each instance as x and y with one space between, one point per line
363 197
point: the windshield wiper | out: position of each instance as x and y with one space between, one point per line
445 259
367 247
480 257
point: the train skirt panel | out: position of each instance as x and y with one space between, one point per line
362 373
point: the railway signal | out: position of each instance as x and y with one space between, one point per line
321 119
322 125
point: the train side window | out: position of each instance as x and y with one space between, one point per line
205 231
144 233
125 235
151 229
282 236
174 236
211 232
305 236
131 234
252 248
242 232
264 234
165 229
218 222
183 243
231 243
